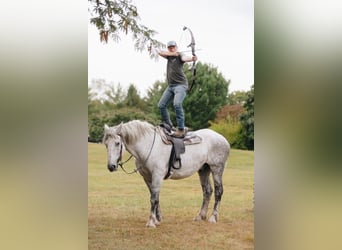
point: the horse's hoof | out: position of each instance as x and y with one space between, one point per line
199 218
212 219
150 224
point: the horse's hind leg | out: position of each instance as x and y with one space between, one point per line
217 176
204 173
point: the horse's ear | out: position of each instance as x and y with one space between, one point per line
106 127
118 129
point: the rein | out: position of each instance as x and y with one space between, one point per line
148 156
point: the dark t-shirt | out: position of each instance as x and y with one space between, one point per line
174 70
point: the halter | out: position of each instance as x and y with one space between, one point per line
148 156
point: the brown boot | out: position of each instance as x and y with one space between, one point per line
180 133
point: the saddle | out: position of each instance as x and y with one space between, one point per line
178 145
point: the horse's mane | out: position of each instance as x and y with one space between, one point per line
133 130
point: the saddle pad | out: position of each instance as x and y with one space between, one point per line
191 138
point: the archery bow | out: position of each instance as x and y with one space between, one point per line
193 68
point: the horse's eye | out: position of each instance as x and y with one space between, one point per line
117 143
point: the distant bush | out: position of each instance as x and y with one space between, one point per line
231 130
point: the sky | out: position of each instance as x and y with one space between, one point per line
223 31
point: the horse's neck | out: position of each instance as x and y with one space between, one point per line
141 147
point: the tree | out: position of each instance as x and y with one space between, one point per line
115 95
153 96
207 96
247 121
133 99
114 17
94 105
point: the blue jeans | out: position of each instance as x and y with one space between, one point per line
177 92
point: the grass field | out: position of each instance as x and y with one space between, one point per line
119 206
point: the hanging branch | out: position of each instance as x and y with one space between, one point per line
115 17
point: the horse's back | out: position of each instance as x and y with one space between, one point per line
210 136
215 142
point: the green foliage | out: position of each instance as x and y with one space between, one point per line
231 130
247 121
207 96
237 97
153 96
236 122
115 95
133 99
114 117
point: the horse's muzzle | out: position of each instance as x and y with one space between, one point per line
112 167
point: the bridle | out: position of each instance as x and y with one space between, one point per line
148 156
122 163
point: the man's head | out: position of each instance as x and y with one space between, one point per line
171 45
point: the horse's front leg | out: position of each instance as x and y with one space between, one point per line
153 221
158 211
155 215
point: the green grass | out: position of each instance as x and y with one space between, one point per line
118 208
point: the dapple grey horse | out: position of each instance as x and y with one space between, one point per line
144 142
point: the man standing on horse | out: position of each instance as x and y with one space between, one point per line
177 86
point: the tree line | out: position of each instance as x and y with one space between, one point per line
208 105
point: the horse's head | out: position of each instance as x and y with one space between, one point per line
114 145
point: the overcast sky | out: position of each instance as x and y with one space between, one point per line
223 30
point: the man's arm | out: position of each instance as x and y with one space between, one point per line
165 53
189 58
184 58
